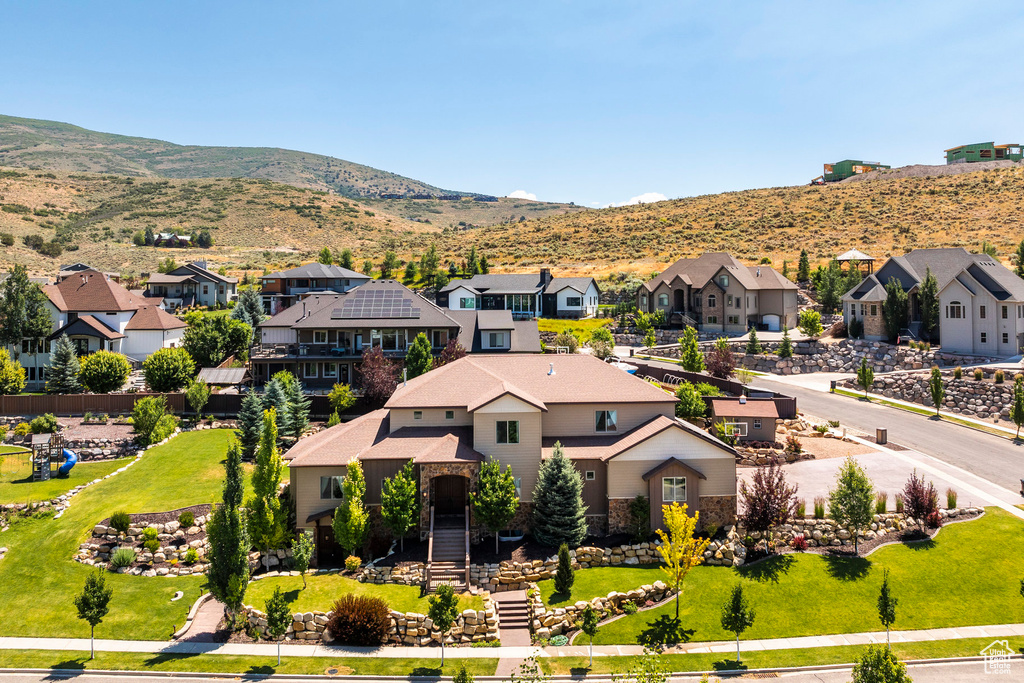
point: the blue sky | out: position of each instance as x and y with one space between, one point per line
592 102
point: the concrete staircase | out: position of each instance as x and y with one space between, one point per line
513 618
447 559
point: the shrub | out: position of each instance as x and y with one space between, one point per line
568 340
881 502
87 417
352 563
801 508
341 398
121 520
152 546
149 533
999 377
104 371
819 508
191 556
793 445
950 499
821 429
899 505
834 424
186 518
920 498
22 429
359 620
978 374
122 557
799 542
3 432
44 424
629 607
958 372
168 369
151 421
934 519
810 323
640 518
710 530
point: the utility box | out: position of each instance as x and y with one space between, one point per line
881 436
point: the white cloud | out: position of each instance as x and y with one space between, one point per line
522 194
645 198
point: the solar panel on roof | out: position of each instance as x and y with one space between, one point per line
378 303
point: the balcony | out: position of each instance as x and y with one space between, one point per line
302 351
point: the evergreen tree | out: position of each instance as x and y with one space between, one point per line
399 502
265 516
1019 259
803 269
786 347
227 573
495 501
297 406
929 296
753 345
351 517
389 265
325 257
785 269
894 309
485 267
419 358
250 424
345 258
276 397
428 265
62 377
249 308
937 389
565 577
851 503
1017 408
410 272
690 356
886 605
93 604
367 267
472 263
559 515
737 616
279 617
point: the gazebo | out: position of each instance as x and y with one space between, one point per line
860 257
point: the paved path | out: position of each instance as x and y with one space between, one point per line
315 650
204 626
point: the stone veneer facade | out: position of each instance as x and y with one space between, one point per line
430 471
717 510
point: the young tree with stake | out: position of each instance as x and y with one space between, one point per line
737 616
865 376
92 604
937 389
588 625
680 549
443 611
886 606
495 501
852 501
1017 409
302 554
279 618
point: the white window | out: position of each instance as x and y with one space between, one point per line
319 336
955 310
591 475
574 301
417 414
736 428
673 489
449 414
330 369
496 340
467 302
663 299
606 421
757 423
330 488
309 370
506 431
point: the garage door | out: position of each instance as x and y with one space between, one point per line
772 321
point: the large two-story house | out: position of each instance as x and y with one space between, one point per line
524 295
619 431
95 312
981 301
192 285
715 292
283 288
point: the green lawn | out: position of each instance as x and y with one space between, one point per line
820 656
798 595
210 663
16 485
322 590
581 328
591 583
38 579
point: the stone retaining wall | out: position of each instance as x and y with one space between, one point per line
406 574
546 623
408 628
513 576
965 396
94 553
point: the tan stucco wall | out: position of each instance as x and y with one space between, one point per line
625 471
524 457
431 417
578 419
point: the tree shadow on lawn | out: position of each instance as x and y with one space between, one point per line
558 599
76 665
846 567
768 569
665 630
427 672
729 665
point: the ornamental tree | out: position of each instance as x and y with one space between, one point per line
937 389
559 515
810 323
886 605
62 377
865 376
852 501
302 554
12 375
400 503
720 360
769 500
681 550
880 665
279 617
929 296
451 352
102 372
495 501
1017 408
351 517
588 626
737 616
93 604
341 398
443 611
379 377
198 395
227 571
895 311
690 356
919 499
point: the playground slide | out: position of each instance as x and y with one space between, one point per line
70 460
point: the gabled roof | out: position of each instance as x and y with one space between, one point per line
426 444
91 290
697 272
89 326
580 284
339 444
869 289
494 320
499 283
669 462
317 270
854 255
525 336
607 446
151 317
200 271
577 378
497 391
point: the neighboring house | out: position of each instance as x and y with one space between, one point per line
745 418
494 331
715 292
192 285
97 313
322 337
169 239
282 289
69 269
524 295
981 301
984 151
619 431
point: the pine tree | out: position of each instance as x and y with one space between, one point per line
559 515
399 502
265 517
753 345
1017 409
345 258
786 347
485 267
803 269
565 577
297 407
419 359
325 257
351 517
495 501
275 397
227 572
62 377
250 424
249 308
690 356
472 263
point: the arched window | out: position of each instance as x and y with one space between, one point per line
712 299
955 310
663 299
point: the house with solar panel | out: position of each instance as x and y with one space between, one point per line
529 295
322 337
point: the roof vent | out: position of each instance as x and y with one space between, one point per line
743 399
551 369
759 271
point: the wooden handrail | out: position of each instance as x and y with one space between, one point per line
467 546
430 550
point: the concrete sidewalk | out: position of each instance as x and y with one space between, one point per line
294 650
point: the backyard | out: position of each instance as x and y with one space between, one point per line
581 328
16 485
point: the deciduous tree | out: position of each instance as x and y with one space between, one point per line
720 360
452 352
443 611
302 554
198 395
168 369
681 550
737 616
351 517
279 617
919 499
345 258
691 405
419 359
810 323
325 257
265 516
1017 408
341 398
690 356
886 605
495 501
102 372
93 604
880 665
400 502
865 376
769 501
851 502
12 375
379 377
937 389
588 626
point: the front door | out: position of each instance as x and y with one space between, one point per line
449 495
328 552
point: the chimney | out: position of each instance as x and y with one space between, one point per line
545 276
303 317
405 376
551 369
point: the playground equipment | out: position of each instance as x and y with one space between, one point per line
46 450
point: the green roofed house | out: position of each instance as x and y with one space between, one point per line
849 167
984 151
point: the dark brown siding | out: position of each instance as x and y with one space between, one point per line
692 491
376 471
595 493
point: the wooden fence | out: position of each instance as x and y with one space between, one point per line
220 405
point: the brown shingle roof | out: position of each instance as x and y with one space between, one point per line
154 318
341 443
731 407
89 326
579 378
91 290
426 444
606 447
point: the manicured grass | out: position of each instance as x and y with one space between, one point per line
806 594
591 583
38 579
322 590
581 328
820 656
211 663
16 485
